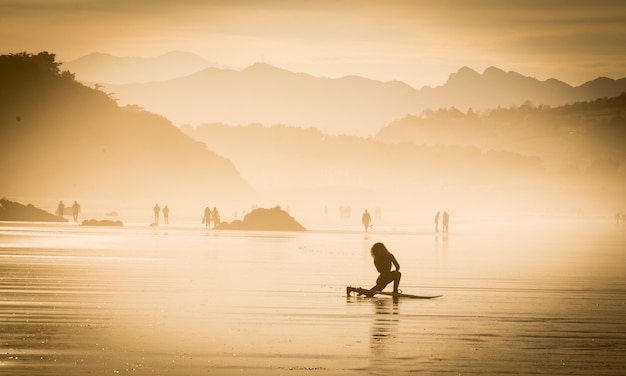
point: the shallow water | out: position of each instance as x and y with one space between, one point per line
543 297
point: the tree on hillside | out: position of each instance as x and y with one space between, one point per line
43 62
60 136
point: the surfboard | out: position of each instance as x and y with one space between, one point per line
362 291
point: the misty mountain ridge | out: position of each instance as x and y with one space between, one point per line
105 68
527 158
266 94
347 105
62 139
494 87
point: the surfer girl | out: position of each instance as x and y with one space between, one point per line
383 260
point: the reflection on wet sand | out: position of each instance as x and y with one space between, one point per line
128 301
441 248
384 333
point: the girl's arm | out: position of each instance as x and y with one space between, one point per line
395 263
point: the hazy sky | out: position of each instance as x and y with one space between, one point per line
418 42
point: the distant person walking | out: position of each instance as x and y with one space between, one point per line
366 220
166 215
206 219
75 210
216 217
157 210
437 222
446 219
60 209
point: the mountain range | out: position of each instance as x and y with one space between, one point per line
105 68
347 105
530 158
62 139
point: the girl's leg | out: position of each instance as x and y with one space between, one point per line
396 280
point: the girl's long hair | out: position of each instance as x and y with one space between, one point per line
378 249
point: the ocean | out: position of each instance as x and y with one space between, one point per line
540 296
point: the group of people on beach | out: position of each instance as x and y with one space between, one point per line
75 210
166 214
208 217
366 220
444 221
211 216
383 259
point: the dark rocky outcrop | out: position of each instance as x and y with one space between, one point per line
104 222
274 219
14 211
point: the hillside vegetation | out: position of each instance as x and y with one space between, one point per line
566 159
576 137
61 139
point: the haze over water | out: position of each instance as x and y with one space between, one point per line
493 110
530 297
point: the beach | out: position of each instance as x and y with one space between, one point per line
534 297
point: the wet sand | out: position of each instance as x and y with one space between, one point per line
543 298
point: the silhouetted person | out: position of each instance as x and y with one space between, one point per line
166 215
383 260
437 222
446 219
61 209
216 217
157 210
378 214
75 210
207 217
345 212
366 219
